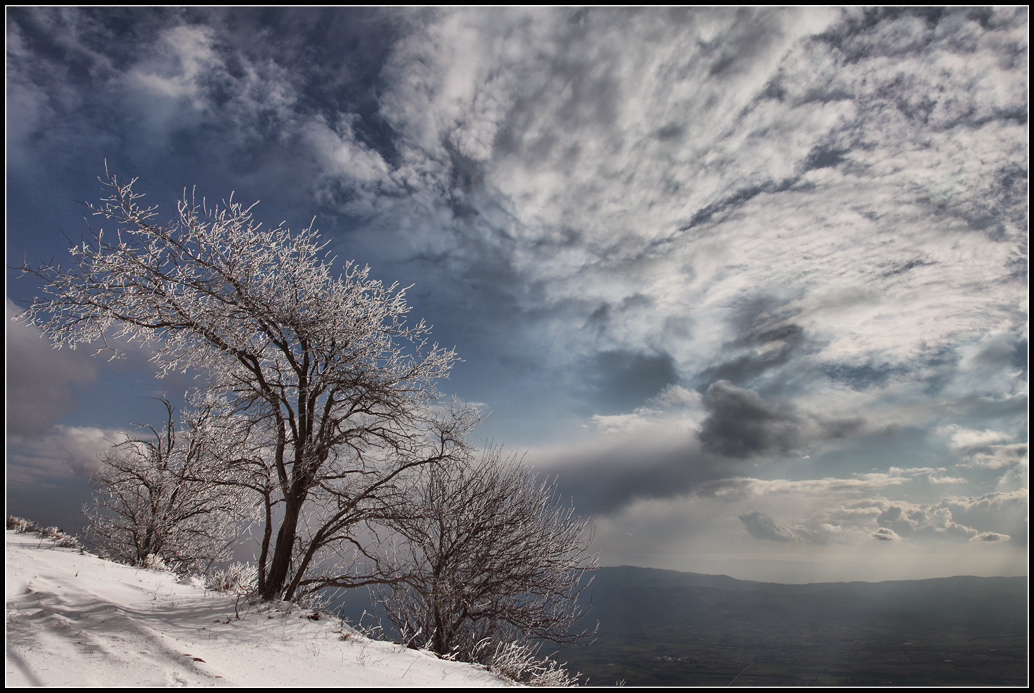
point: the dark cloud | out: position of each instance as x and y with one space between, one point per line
1021 355
761 526
605 477
1001 353
41 384
905 267
61 452
736 199
623 380
741 424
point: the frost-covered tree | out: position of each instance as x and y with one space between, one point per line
491 556
164 496
337 388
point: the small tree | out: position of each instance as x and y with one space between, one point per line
491 555
162 498
335 387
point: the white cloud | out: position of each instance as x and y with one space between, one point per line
182 57
1003 512
602 153
343 159
913 520
966 440
829 487
989 449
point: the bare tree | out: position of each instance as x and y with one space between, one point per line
338 390
158 497
491 556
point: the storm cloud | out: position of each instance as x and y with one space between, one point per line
741 424
42 388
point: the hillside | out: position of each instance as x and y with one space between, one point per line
76 620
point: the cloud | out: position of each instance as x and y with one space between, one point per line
993 517
742 424
62 452
1004 513
986 449
640 460
623 381
175 69
41 385
966 441
991 537
912 521
833 488
847 512
761 526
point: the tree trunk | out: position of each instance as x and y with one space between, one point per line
276 576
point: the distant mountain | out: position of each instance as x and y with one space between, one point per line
662 627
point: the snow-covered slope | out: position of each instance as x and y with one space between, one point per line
77 620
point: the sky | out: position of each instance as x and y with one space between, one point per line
751 283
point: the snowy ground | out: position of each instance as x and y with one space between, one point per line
77 620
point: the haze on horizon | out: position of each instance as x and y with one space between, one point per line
751 282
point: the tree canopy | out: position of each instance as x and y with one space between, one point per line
337 391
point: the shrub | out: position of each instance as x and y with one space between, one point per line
519 661
55 534
21 525
492 554
236 578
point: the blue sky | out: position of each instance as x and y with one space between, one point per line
752 283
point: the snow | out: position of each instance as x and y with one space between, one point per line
74 619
